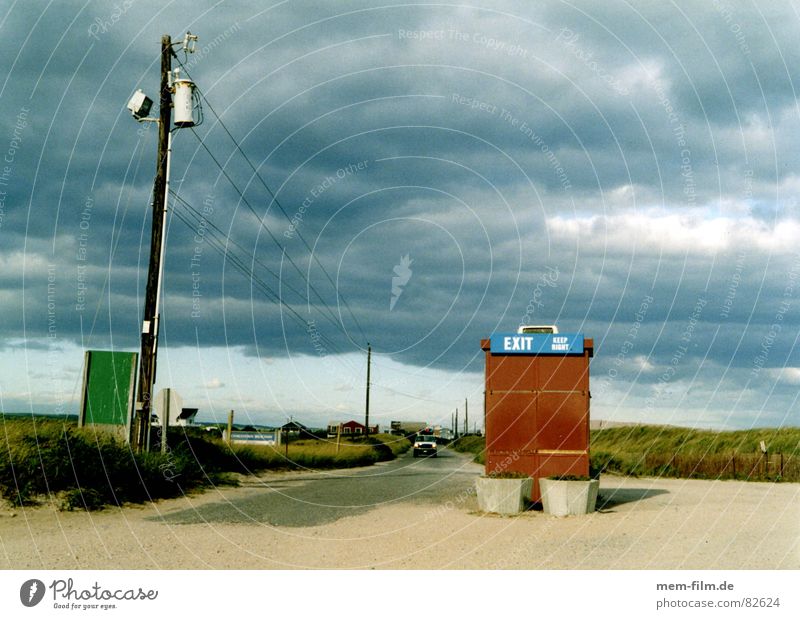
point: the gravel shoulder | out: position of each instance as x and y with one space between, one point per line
642 523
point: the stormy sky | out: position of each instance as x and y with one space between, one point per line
628 170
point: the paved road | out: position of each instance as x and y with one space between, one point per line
302 500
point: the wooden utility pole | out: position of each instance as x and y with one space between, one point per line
466 417
366 413
230 427
147 365
165 417
456 436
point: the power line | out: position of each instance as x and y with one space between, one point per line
236 261
269 232
274 198
251 256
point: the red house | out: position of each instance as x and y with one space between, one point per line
349 428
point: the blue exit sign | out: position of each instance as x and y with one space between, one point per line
537 343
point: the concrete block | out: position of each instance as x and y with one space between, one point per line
503 496
569 498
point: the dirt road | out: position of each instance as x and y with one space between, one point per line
642 524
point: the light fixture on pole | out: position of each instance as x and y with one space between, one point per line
140 105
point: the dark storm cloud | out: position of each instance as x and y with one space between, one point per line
493 146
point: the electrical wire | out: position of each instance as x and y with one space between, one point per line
203 220
274 199
221 247
269 232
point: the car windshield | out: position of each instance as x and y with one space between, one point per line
425 439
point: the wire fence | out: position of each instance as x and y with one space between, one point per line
751 467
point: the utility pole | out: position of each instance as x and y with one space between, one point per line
466 417
456 423
366 415
147 361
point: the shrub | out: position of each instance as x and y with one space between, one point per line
507 475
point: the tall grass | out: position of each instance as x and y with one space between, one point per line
88 469
471 444
684 452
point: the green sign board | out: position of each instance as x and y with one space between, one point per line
109 382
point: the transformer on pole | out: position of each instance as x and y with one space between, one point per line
140 105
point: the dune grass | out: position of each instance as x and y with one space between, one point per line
684 452
81 468
705 454
471 444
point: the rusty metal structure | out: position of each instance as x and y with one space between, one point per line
537 404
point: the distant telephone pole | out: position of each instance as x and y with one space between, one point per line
366 414
456 424
466 416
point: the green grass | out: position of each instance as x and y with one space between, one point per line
705 454
471 444
683 452
685 441
80 468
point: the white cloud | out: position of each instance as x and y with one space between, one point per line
214 383
665 232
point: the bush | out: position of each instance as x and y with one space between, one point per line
88 470
507 475
471 444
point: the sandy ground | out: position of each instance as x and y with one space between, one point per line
645 524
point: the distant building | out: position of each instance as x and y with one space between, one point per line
407 427
294 428
350 428
169 399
